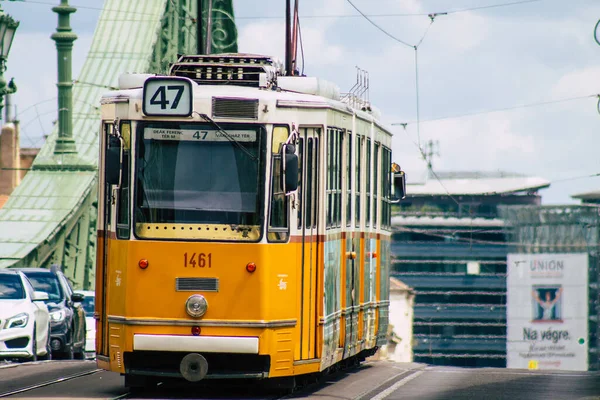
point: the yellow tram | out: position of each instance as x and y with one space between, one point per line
244 224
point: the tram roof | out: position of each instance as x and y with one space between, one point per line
284 98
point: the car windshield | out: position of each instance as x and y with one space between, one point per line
46 283
11 287
88 305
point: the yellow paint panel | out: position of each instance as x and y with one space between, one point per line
151 292
271 293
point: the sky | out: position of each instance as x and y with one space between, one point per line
482 74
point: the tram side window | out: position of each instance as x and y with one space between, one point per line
358 180
110 171
338 190
278 221
385 187
312 183
368 184
308 193
376 197
330 176
334 178
300 177
316 168
384 191
390 194
348 179
123 210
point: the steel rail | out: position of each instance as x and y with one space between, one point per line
48 383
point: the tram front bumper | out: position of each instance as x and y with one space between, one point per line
196 357
191 344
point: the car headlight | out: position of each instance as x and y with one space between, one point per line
57 316
18 321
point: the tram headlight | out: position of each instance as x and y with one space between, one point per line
196 305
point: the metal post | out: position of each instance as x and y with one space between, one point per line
8 27
294 40
199 26
209 26
64 38
288 38
7 109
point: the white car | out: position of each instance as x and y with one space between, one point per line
24 319
88 304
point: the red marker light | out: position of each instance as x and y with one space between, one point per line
196 330
251 267
143 263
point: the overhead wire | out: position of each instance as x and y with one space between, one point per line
416 47
430 168
520 106
514 3
574 178
379 27
258 17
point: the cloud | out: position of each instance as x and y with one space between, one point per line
459 33
580 82
33 64
469 62
268 38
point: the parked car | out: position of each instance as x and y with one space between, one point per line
67 318
88 303
24 319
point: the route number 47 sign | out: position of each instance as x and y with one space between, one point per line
170 97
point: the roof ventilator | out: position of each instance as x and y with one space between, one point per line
229 69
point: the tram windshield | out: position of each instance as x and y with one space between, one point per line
199 174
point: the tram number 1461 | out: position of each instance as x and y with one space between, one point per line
200 260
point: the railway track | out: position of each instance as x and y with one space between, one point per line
48 383
162 391
50 379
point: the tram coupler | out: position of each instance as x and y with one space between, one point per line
193 367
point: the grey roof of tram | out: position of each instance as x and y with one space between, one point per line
44 201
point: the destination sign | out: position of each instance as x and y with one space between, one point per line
199 135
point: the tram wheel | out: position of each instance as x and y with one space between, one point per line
281 386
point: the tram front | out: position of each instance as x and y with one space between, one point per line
188 282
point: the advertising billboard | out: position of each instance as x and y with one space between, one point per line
547 311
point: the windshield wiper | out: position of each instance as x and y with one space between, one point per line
228 136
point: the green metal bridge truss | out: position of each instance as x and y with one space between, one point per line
50 218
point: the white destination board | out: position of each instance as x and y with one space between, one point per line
547 311
167 97
199 135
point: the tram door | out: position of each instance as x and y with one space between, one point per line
110 145
308 224
352 288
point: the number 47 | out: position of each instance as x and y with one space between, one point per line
160 96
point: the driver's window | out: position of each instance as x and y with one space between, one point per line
278 220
